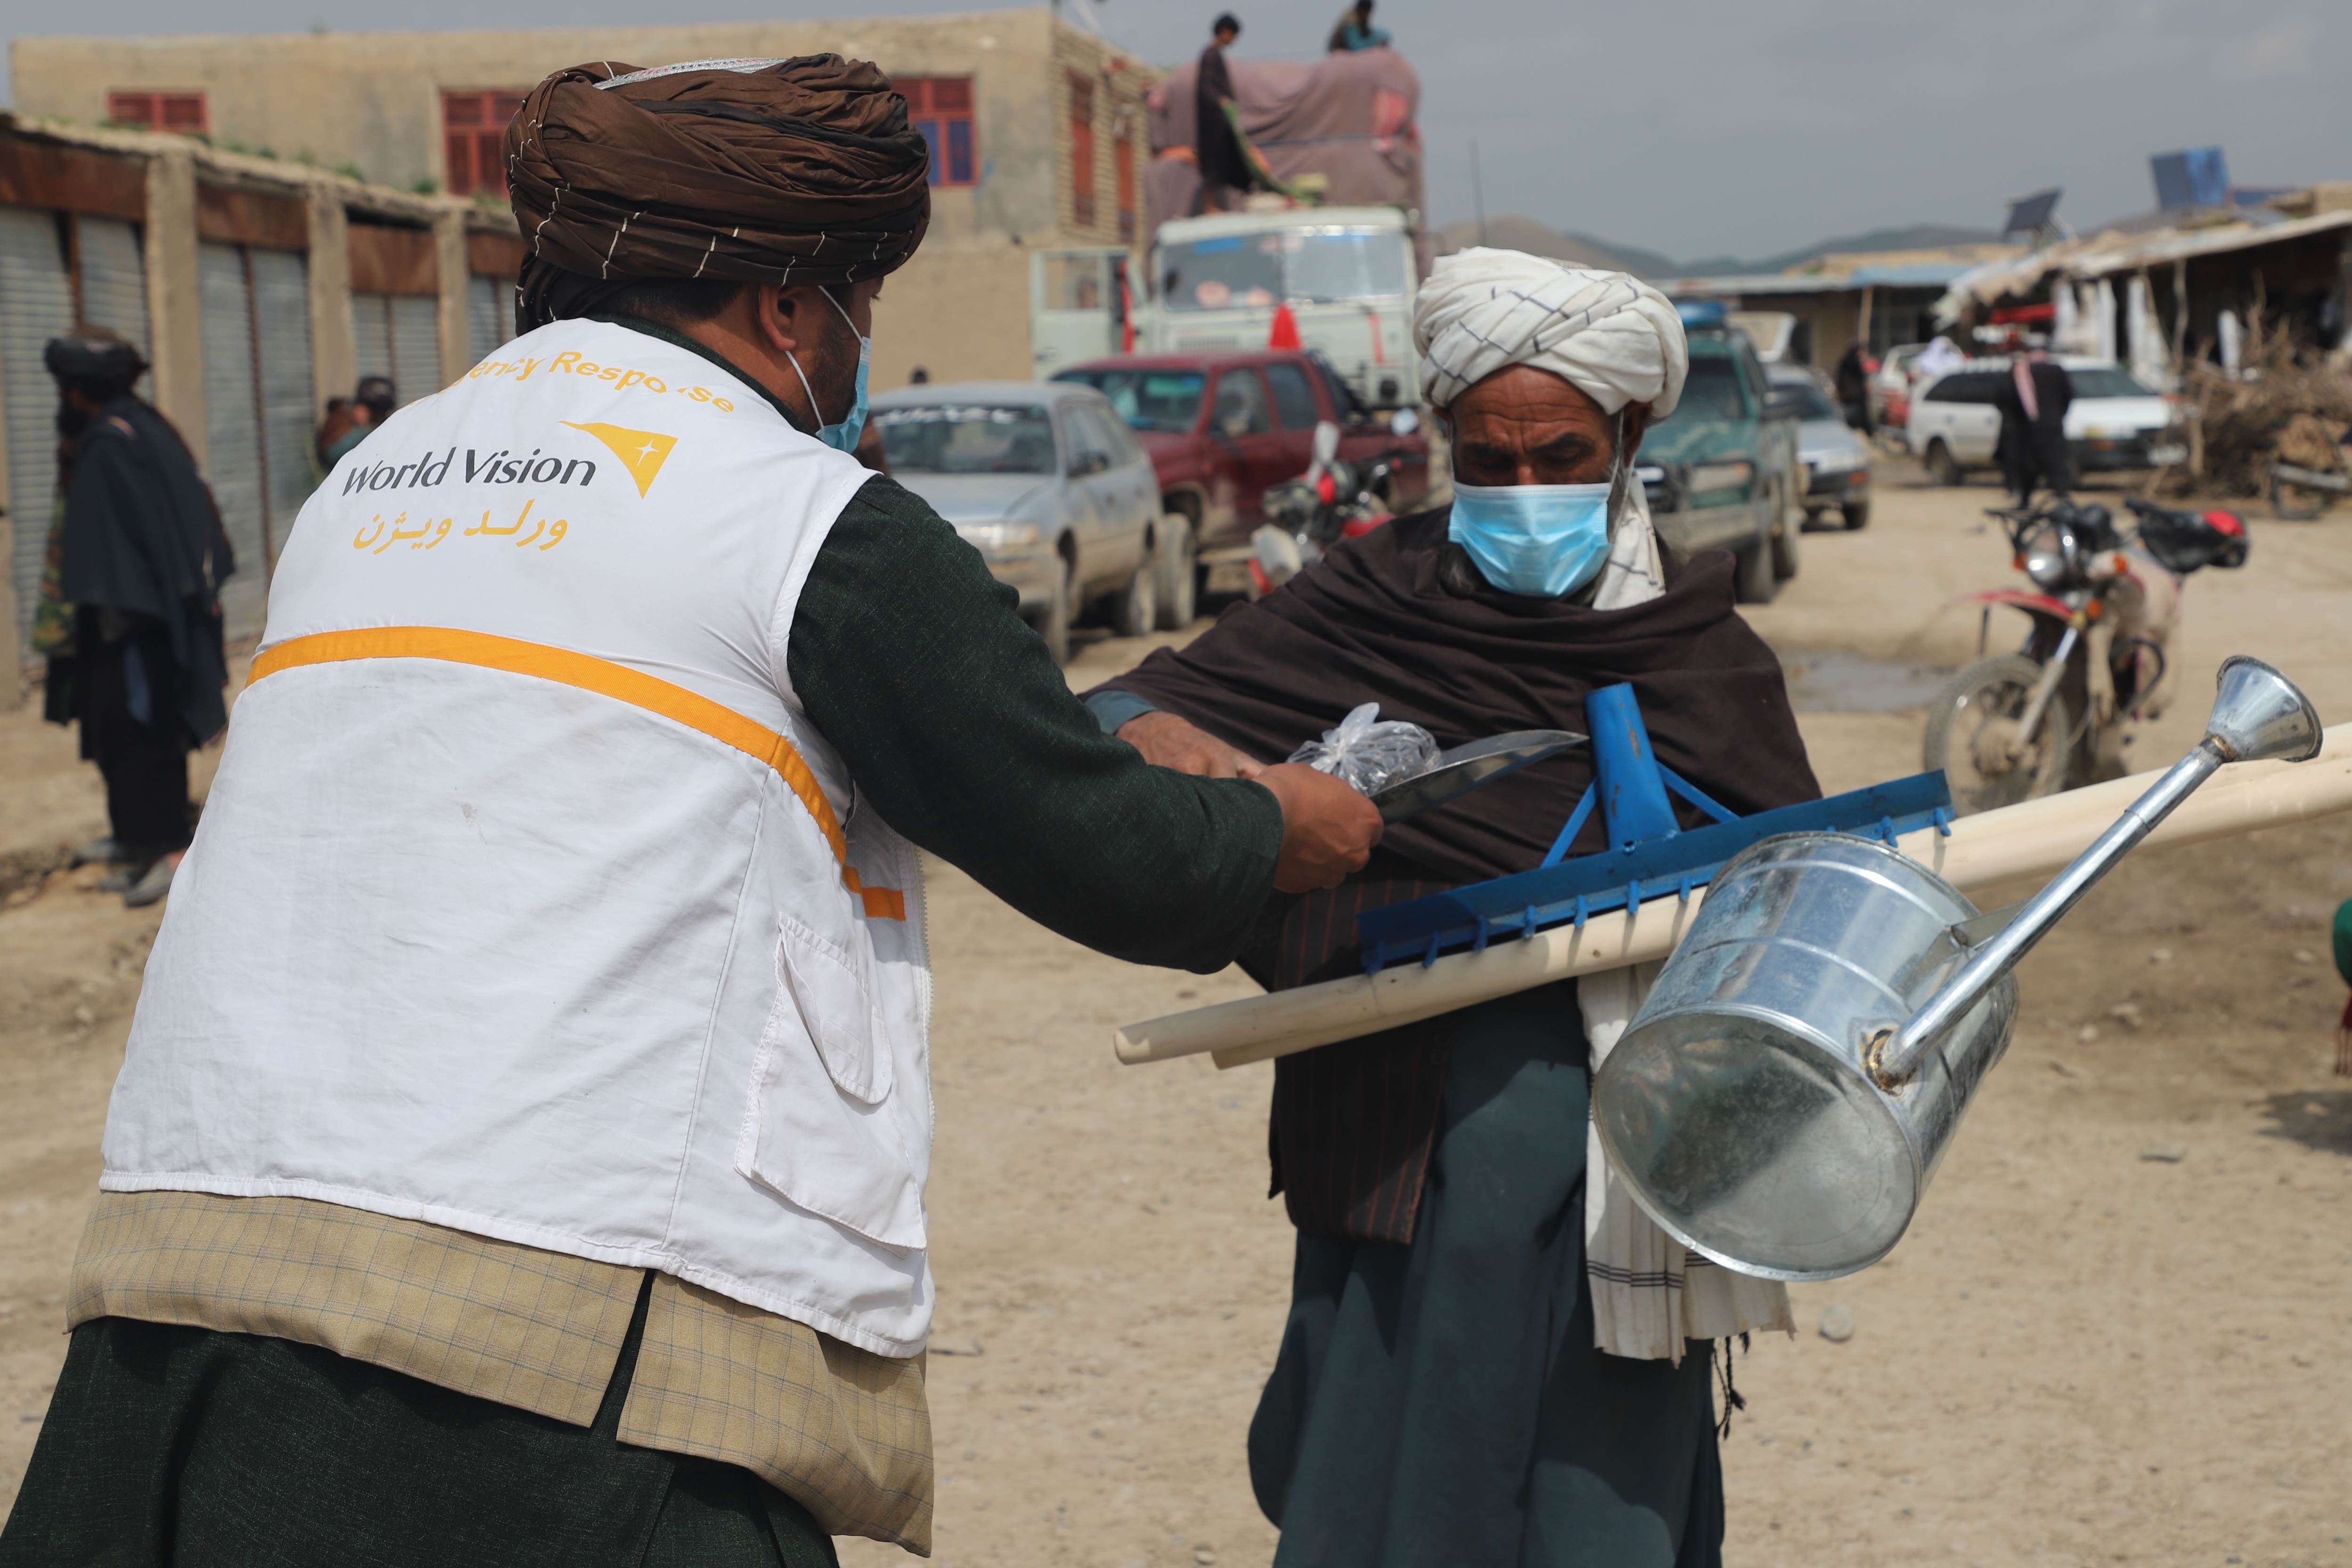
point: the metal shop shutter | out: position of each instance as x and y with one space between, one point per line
489 314
35 305
113 278
371 320
234 469
400 336
415 346
281 320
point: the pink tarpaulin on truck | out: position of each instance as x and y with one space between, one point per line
1348 117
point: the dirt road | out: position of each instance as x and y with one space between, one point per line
2115 1336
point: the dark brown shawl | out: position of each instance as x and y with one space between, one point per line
1374 622
802 170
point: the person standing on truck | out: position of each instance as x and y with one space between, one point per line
520 1147
1354 31
1226 171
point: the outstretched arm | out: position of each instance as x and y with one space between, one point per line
957 725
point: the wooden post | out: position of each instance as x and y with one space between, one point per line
2180 320
454 276
12 636
175 328
2036 838
334 343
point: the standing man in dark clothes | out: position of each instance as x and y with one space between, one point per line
1491 1357
2033 402
1225 173
1354 30
1853 369
140 557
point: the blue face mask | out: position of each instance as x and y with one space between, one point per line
1542 541
841 436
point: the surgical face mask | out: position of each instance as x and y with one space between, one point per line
1543 541
841 436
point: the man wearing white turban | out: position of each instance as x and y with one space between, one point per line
1488 1357
1532 342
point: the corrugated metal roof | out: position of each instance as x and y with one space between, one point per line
2175 245
1918 274
1915 275
2105 255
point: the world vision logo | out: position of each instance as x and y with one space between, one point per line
642 452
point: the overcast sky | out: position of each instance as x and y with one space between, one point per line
1692 127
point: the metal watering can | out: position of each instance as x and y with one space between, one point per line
1780 1101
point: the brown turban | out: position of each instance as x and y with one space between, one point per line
801 171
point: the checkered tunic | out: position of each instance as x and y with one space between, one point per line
844 1431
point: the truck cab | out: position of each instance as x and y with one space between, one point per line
1722 470
1347 274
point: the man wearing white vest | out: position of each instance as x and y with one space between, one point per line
519 1154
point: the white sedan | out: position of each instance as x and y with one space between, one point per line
2113 424
1836 460
1046 482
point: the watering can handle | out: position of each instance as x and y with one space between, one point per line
1900 1056
2257 713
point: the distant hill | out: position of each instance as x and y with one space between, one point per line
1518 232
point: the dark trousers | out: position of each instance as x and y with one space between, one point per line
1442 1403
128 704
180 1447
2031 457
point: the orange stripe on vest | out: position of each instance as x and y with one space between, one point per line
606 678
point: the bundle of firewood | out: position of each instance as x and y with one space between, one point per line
2281 405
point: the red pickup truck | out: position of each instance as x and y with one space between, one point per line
1221 427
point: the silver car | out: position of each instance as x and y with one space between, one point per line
1835 457
1046 482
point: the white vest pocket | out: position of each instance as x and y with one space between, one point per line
833 983
824 1130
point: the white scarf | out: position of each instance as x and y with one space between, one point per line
1650 1293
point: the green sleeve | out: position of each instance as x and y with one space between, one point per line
959 728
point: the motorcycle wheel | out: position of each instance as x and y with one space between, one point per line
1971 731
2292 502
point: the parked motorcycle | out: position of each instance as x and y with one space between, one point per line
1332 501
2104 606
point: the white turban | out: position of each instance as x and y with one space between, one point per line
1612 337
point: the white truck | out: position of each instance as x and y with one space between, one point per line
1213 283
1347 274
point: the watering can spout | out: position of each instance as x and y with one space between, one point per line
2259 715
